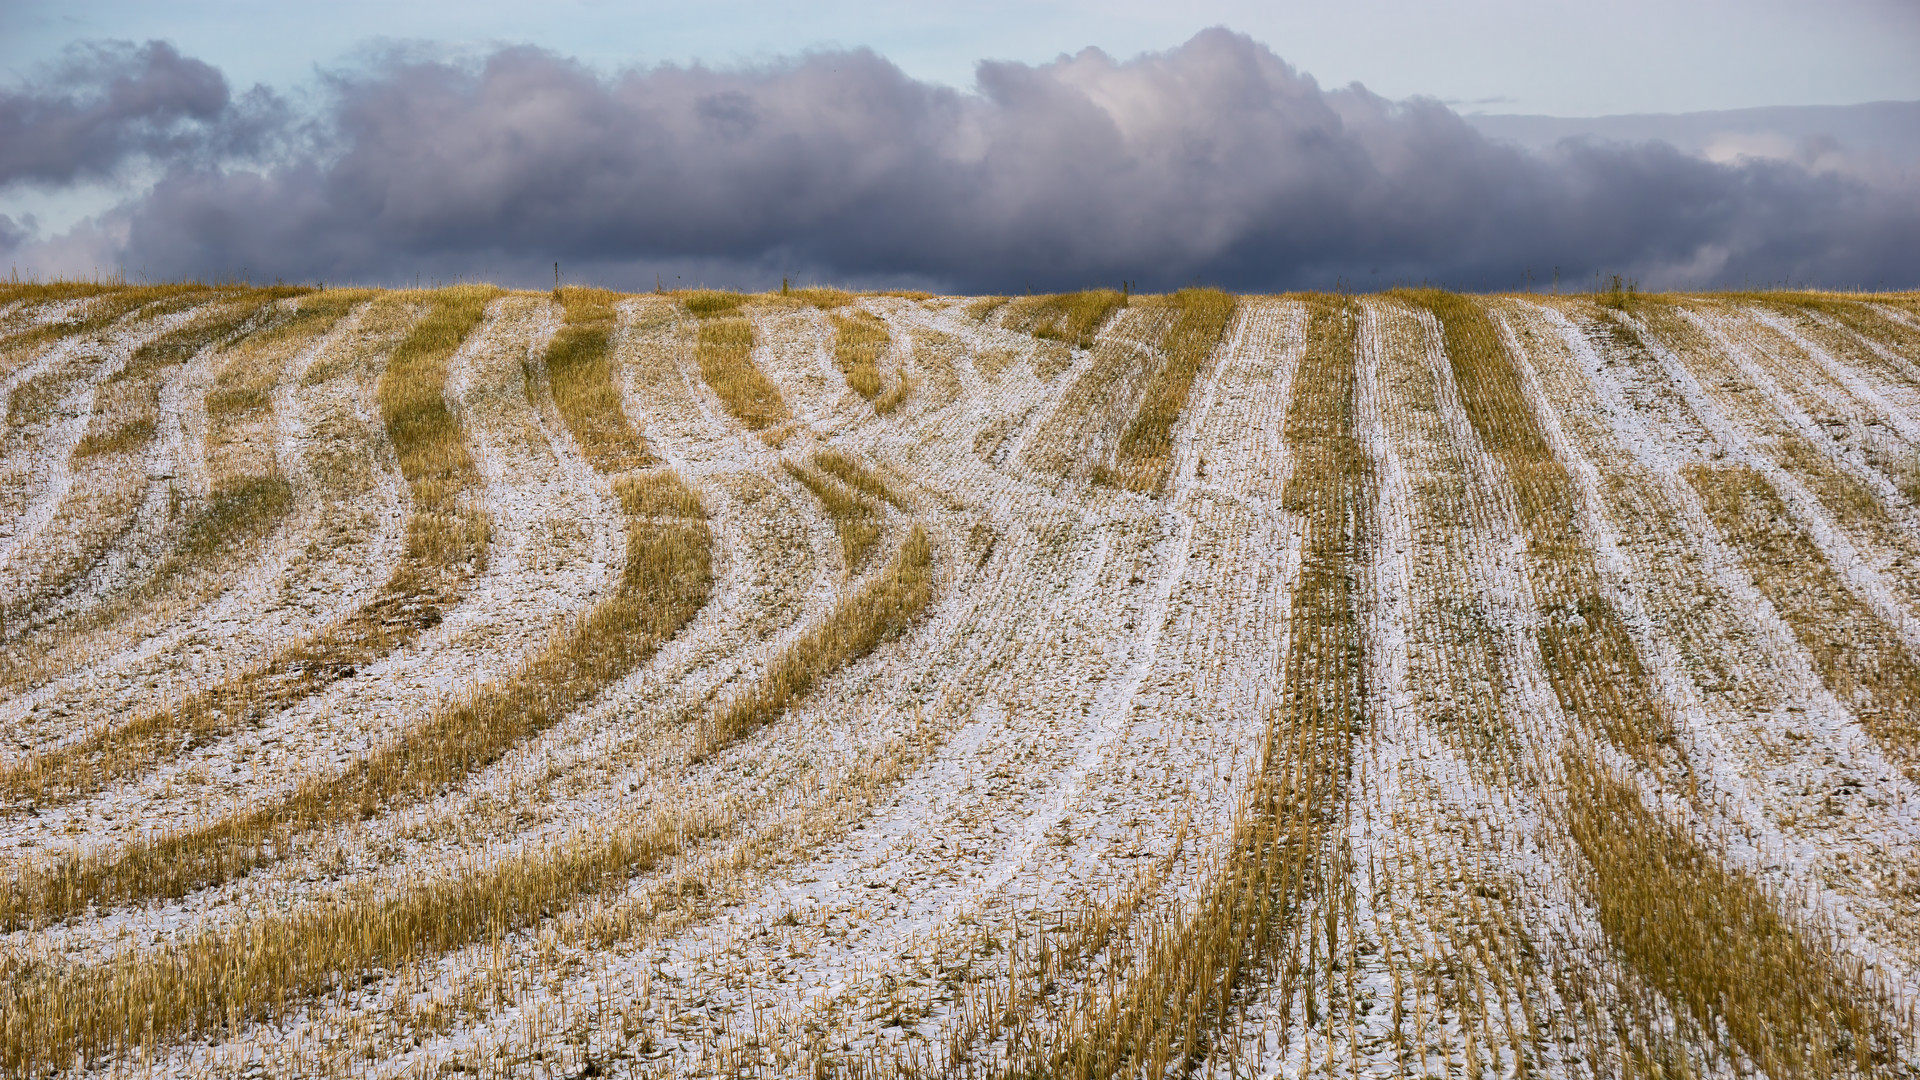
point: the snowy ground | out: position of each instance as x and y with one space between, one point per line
1068 732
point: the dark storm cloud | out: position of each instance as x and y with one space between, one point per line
1214 161
12 233
109 102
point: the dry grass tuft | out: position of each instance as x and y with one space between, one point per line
706 305
824 298
726 362
580 368
1713 940
979 310
1071 318
849 471
860 341
895 396
857 520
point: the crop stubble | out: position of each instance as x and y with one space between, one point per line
1322 923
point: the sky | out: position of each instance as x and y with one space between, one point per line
1525 56
982 146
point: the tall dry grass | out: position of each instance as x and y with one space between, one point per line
1078 437
725 355
850 471
447 532
1786 999
248 495
1070 318
856 520
822 297
579 368
1866 340
860 342
109 482
262 967
982 308
1591 660
1144 456
53 1016
107 306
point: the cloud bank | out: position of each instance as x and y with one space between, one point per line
1215 162
108 103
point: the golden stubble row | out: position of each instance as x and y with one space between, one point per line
446 540
1172 987
108 465
208 536
1707 936
219 976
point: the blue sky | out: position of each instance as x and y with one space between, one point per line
1567 59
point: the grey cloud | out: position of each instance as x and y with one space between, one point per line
109 102
1214 161
13 233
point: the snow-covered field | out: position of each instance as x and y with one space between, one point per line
1493 686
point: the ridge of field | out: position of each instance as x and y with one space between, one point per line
823 683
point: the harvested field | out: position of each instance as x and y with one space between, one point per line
466 682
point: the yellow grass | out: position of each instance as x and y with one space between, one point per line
849 471
894 396
881 609
1856 653
860 341
856 520
579 366
979 309
1072 318
1595 669
109 481
1249 915
725 354
445 545
666 581
49 1015
1145 453
1713 940
107 307
823 298
1770 985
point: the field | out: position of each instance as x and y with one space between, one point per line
471 682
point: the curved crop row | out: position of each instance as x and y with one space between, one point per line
445 545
